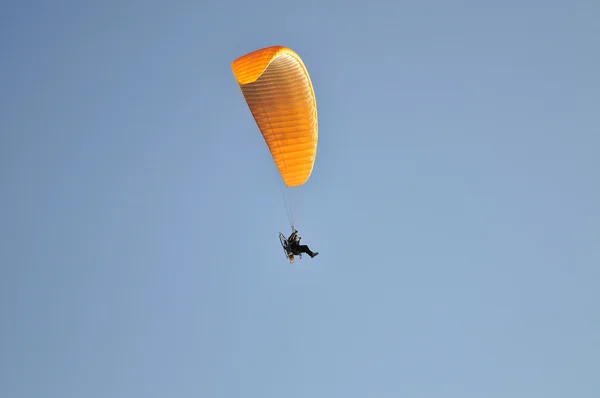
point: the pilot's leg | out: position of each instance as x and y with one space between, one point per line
305 249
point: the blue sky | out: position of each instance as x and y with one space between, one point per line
454 202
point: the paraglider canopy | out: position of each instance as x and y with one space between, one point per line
278 90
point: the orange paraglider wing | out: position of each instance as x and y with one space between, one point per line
280 95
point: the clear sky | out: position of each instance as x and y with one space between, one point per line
454 202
